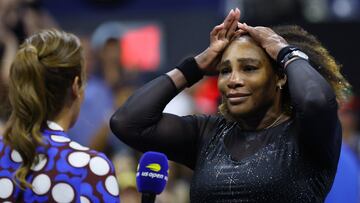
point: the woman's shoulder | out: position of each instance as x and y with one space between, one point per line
206 119
74 154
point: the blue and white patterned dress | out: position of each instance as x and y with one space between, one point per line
66 172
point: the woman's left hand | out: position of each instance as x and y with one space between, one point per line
220 37
266 37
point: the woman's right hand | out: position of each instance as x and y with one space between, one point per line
266 37
220 37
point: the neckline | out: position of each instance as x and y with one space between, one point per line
49 132
54 128
52 125
273 125
251 132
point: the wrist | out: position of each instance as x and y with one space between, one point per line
291 60
289 54
205 58
191 71
283 52
178 78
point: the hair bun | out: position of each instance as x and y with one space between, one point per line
29 48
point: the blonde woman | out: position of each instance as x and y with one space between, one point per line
38 160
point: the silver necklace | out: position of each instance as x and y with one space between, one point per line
275 122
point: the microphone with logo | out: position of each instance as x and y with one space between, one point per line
152 175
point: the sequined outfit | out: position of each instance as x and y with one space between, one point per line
294 161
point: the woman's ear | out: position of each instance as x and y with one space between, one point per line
76 87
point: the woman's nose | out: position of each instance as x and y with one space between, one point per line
235 80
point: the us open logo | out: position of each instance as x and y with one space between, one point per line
155 168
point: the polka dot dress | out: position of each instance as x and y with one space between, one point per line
65 172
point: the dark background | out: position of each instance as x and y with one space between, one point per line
186 23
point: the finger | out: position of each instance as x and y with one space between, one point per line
229 19
233 26
221 34
242 32
254 32
238 33
231 30
215 31
237 14
229 16
243 26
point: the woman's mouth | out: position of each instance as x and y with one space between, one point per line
237 98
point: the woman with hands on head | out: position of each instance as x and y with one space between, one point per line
277 137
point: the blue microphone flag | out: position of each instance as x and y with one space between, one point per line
152 173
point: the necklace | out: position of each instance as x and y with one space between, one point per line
275 122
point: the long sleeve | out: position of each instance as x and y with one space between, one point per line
141 123
315 107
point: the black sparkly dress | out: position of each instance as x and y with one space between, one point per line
294 161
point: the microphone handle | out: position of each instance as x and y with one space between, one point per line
148 197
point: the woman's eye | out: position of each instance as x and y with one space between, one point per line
249 68
225 71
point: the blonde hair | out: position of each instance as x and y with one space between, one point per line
41 78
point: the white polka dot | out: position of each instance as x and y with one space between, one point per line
99 166
84 199
41 184
63 192
58 138
78 159
7 187
15 156
111 185
42 162
78 146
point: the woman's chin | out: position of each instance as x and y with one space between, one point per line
238 111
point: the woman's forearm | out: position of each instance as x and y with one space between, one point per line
144 108
309 91
178 78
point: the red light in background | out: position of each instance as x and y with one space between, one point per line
140 48
207 96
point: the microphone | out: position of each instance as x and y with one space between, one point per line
151 175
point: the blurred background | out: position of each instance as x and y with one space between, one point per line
129 42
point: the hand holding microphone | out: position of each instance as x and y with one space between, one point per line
152 175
